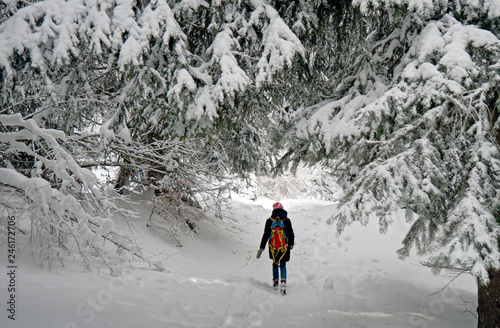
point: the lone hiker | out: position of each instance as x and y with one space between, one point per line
278 233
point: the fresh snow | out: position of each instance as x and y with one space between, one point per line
214 280
425 7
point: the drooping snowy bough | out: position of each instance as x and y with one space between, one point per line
59 205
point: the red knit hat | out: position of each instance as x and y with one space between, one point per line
277 205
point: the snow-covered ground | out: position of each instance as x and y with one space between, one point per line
214 280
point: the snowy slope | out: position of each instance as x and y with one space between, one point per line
214 280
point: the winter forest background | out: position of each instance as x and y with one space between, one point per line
395 101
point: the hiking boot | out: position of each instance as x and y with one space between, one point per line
283 287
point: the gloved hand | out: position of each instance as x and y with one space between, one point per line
259 252
291 247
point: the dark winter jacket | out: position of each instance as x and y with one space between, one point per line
290 237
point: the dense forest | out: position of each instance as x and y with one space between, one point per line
398 100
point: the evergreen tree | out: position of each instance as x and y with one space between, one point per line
415 126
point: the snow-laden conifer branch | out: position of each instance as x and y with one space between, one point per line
59 202
428 8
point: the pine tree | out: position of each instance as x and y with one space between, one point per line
414 125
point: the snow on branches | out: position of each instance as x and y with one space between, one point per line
58 203
424 141
429 7
117 77
45 181
280 43
161 51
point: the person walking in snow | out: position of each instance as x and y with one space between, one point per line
278 234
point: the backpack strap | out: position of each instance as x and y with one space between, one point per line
277 219
282 254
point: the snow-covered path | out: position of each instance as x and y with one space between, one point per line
351 280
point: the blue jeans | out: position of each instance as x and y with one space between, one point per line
282 268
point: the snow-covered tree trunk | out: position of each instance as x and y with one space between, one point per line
489 301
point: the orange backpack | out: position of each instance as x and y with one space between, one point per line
278 241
